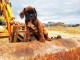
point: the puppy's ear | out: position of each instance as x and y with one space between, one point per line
22 14
35 12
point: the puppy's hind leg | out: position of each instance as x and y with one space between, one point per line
46 35
41 33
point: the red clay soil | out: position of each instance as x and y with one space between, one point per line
50 50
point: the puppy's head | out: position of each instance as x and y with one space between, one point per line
27 11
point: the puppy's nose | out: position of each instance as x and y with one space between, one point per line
31 14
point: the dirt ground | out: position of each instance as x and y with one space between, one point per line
67 38
66 48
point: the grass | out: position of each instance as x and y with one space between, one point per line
70 30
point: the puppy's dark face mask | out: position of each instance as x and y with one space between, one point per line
31 14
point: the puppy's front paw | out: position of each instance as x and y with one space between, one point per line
42 40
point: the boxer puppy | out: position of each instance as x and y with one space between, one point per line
33 24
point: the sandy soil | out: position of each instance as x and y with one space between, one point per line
66 37
58 49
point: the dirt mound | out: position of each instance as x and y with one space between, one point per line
73 54
69 43
54 50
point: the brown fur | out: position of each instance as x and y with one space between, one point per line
37 27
